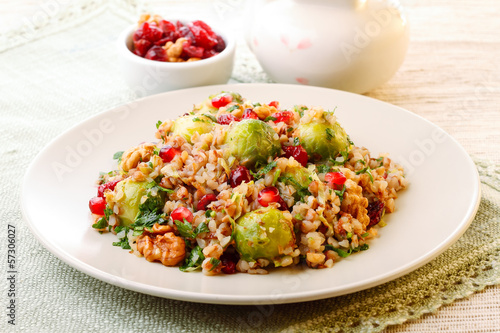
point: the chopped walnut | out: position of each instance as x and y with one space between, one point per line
168 248
132 157
174 50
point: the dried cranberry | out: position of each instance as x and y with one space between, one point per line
276 104
221 44
284 116
221 100
156 53
209 53
226 119
191 51
335 179
203 35
249 114
271 195
375 210
168 28
229 261
181 214
239 175
183 31
205 201
142 46
164 41
97 205
168 153
108 186
149 32
297 152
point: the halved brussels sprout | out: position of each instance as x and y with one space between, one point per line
299 177
263 234
130 201
135 196
252 141
186 126
322 141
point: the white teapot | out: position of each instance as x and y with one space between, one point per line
352 45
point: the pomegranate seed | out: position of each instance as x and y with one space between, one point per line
205 201
97 205
142 46
335 179
249 114
168 153
297 152
375 210
239 175
226 119
270 195
284 116
181 214
221 100
276 104
221 44
156 53
108 186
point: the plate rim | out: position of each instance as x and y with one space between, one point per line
296 296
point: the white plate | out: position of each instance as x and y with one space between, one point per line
431 214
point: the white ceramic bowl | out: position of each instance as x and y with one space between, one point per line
147 77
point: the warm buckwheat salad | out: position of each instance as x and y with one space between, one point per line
235 186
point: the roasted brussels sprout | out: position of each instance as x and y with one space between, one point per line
263 234
186 126
252 141
323 140
134 198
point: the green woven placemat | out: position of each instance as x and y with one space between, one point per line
52 83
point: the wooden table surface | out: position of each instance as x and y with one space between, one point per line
451 76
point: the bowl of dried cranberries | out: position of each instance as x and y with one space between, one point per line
158 55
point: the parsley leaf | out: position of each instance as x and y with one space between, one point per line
296 141
158 124
268 118
186 229
300 109
366 170
214 262
323 168
330 134
264 170
118 156
209 116
194 261
302 191
123 242
232 108
101 224
349 140
340 193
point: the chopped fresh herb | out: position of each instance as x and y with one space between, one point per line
298 217
214 262
323 168
256 104
366 234
101 224
209 116
349 235
302 191
363 247
264 170
276 176
158 124
118 156
296 141
150 164
123 242
197 119
186 229
340 193
107 212
349 140
289 129
366 170
147 219
330 134
156 151
300 109
232 108
270 118
208 213
194 260
342 253
380 160
361 161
